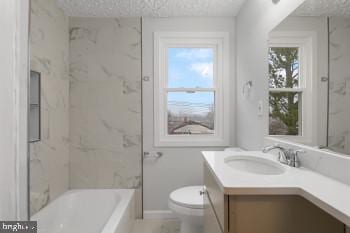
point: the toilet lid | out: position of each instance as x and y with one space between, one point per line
189 197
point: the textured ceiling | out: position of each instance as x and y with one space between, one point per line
324 8
157 8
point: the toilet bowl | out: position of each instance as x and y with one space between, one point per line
187 204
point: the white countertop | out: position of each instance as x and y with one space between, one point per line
330 195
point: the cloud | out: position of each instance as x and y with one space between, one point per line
204 69
194 54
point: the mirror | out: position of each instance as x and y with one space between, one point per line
309 76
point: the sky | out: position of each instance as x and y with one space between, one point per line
190 68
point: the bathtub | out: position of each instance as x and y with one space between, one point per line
89 211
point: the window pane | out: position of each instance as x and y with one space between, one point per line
283 67
285 112
191 113
190 67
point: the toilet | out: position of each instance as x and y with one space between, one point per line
187 203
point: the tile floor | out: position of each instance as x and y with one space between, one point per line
156 226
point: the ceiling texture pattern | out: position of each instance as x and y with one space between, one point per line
324 8
151 8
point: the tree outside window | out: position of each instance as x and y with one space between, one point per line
285 94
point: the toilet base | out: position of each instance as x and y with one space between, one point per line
187 227
188 206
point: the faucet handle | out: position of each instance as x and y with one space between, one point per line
300 151
282 157
296 160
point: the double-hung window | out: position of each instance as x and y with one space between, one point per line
290 85
191 72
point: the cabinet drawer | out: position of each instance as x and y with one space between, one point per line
217 198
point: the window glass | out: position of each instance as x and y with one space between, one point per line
284 67
285 112
190 67
190 113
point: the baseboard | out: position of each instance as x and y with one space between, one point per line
158 214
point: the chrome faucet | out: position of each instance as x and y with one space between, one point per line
282 155
286 156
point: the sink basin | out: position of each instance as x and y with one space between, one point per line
254 164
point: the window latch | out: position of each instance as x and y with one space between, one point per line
324 79
152 155
146 78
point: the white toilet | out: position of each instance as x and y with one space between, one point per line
188 205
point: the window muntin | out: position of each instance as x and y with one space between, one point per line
285 90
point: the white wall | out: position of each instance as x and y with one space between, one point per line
13 109
254 21
179 166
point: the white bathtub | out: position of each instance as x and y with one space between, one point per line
89 211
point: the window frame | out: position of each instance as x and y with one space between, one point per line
306 42
220 42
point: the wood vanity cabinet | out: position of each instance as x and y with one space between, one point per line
262 213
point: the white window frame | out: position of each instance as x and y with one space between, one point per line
220 42
306 42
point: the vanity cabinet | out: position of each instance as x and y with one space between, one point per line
262 213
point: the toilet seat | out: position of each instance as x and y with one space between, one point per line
188 197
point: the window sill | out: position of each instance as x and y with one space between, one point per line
191 141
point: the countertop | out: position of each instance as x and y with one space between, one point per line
330 195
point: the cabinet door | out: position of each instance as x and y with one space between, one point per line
217 198
211 224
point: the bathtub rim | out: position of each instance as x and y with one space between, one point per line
126 205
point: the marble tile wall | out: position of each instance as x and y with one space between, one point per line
339 95
49 158
105 103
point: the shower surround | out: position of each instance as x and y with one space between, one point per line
91 104
49 158
105 104
339 90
